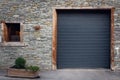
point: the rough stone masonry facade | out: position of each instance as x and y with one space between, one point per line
38 49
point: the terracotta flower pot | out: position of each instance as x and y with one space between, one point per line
37 27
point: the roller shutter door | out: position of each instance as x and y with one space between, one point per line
83 39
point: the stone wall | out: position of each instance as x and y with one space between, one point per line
39 43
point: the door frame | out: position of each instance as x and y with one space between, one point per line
54 35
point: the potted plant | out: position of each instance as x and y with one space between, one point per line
21 70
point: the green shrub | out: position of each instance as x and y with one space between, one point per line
33 68
20 63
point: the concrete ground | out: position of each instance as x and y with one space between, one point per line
71 74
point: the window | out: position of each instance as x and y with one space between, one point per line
12 32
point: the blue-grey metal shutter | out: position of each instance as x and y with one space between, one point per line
83 39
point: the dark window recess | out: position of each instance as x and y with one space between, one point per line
13 32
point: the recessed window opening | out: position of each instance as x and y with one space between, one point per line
12 33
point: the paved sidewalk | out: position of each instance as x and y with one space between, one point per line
71 74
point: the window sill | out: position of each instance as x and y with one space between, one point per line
13 44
